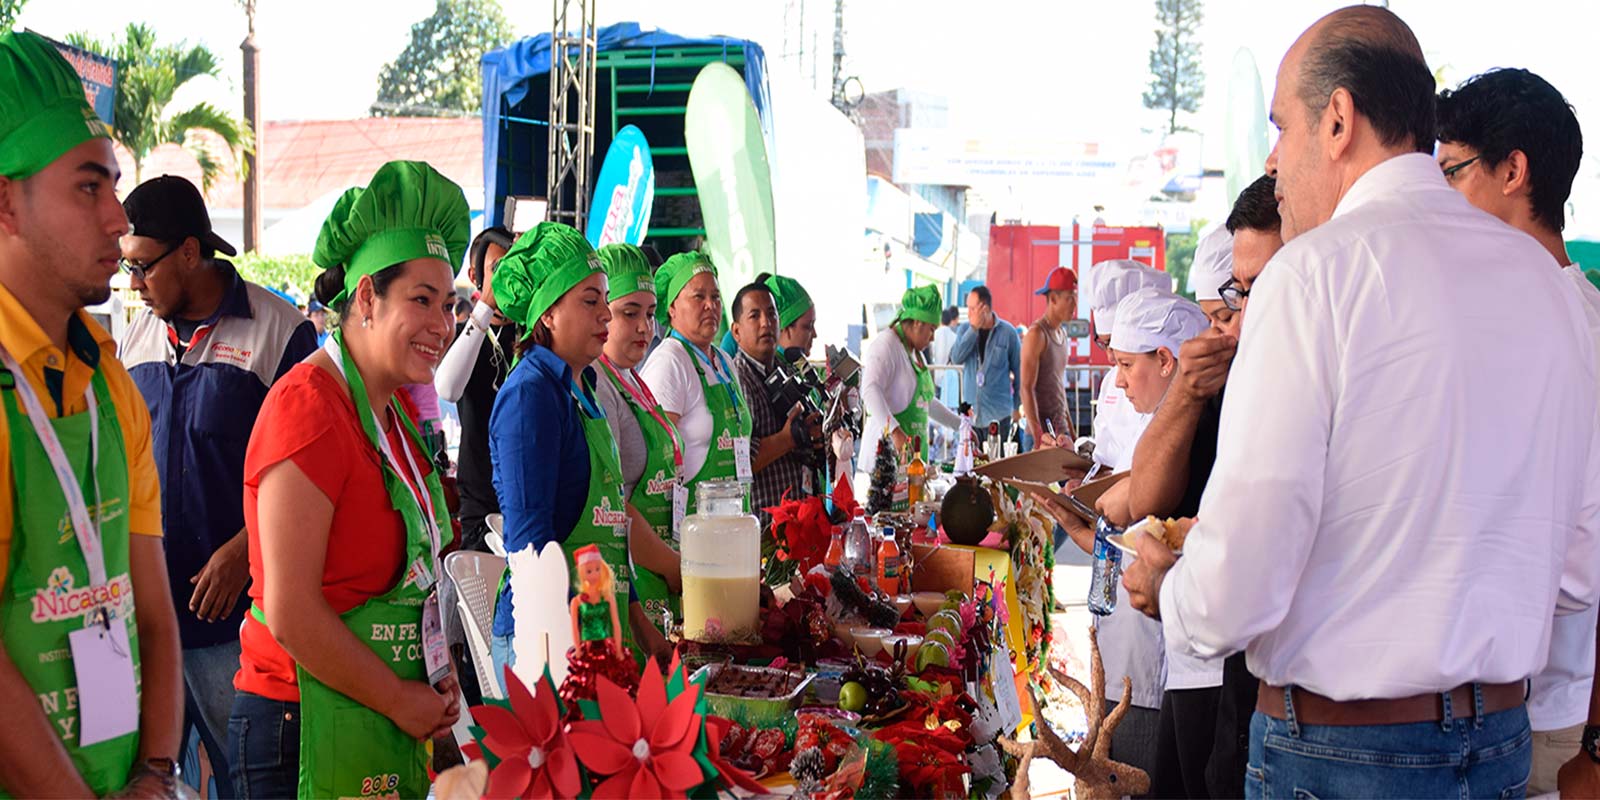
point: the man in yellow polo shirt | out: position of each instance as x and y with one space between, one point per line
90 670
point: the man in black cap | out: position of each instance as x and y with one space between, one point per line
203 353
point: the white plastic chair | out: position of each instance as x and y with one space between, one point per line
477 577
496 537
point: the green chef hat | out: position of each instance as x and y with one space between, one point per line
627 270
407 211
544 264
790 298
676 274
921 304
43 111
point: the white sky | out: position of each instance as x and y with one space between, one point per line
1076 67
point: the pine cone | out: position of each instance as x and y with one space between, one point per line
808 765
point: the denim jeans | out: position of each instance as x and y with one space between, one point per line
1456 758
264 747
208 675
500 651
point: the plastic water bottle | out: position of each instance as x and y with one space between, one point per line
858 546
1107 570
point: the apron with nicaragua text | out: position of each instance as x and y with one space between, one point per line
346 748
69 560
655 496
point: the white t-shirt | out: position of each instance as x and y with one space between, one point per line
671 376
1559 697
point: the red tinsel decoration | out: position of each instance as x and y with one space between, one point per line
589 661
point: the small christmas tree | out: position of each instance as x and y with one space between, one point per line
884 470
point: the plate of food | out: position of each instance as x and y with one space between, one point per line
1167 530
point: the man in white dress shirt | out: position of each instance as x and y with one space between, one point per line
1389 524
1510 142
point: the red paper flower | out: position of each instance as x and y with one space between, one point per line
802 529
535 761
645 748
717 729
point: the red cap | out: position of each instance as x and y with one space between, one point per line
1060 279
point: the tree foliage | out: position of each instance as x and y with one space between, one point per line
148 75
293 274
9 9
1176 80
438 73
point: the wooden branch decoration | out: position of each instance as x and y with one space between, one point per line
1097 776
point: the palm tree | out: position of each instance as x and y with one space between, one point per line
148 75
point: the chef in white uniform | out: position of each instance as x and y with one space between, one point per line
1116 423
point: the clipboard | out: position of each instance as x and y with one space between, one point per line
1043 465
1079 501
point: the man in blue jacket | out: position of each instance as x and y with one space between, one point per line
990 354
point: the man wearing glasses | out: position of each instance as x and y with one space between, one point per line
203 352
1388 527
1511 144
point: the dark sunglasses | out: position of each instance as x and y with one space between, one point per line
142 271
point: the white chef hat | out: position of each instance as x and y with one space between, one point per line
1151 318
1110 281
1213 264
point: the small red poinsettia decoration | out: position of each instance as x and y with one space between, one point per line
646 747
802 530
535 758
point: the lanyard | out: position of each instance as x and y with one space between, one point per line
590 409
724 372
87 532
643 398
418 490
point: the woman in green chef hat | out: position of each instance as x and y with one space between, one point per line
557 471
694 380
652 452
896 384
343 674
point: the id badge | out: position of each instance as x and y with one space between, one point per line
741 459
435 651
422 574
680 507
108 701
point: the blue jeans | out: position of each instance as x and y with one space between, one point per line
264 747
1456 758
500 652
208 678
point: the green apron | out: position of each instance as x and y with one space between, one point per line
730 419
652 495
913 420
347 749
604 520
48 576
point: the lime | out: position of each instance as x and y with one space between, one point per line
941 636
853 696
932 654
946 620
